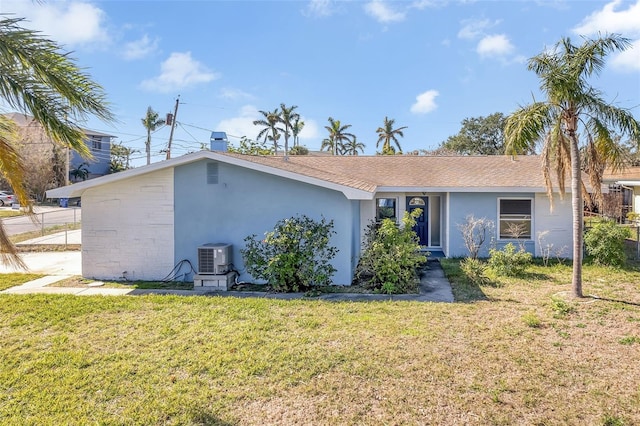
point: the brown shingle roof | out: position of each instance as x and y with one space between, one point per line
630 173
378 172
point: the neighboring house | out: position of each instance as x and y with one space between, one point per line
35 143
626 183
142 222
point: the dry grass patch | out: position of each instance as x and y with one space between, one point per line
212 360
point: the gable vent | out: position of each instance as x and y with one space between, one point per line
212 173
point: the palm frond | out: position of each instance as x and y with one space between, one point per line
36 77
527 126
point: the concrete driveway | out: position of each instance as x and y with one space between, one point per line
50 263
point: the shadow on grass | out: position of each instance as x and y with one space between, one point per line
534 276
606 299
201 416
464 290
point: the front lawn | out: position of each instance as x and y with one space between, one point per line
17 278
515 352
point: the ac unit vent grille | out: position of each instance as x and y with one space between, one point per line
214 259
206 263
212 173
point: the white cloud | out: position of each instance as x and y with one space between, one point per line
382 12
425 102
610 20
242 124
73 22
494 45
319 8
310 129
422 4
474 28
234 94
140 48
629 60
179 71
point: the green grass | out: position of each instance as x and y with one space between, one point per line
502 355
82 282
14 279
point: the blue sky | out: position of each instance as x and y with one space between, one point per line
427 64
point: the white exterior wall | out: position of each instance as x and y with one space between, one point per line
557 225
129 226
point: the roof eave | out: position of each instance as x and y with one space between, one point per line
77 189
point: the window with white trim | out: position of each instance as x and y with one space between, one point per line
96 142
386 208
515 218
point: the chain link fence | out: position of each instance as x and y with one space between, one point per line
46 221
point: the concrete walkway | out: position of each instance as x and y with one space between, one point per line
434 287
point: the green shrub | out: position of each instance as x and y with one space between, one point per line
532 320
508 261
294 256
475 271
391 257
560 307
299 150
605 243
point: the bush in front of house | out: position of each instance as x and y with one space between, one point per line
475 270
509 261
391 257
294 257
605 243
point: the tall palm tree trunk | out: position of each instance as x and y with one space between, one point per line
578 213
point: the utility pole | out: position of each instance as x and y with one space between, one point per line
173 126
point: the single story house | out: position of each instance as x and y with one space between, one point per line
625 182
140 223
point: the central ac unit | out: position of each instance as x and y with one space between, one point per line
214 258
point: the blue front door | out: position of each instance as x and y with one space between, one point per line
421 228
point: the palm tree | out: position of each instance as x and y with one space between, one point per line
337 137
353 146
386 134
572 102
270 130
38 78
287 118
296 128
151 122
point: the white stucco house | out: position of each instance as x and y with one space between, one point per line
142 222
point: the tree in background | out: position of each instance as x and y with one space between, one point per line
337 137
270 129
478 136
250 147
299 150
38 78
120 157
571 101
287 117
151 122
387 134
80 173
353 146
296 128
